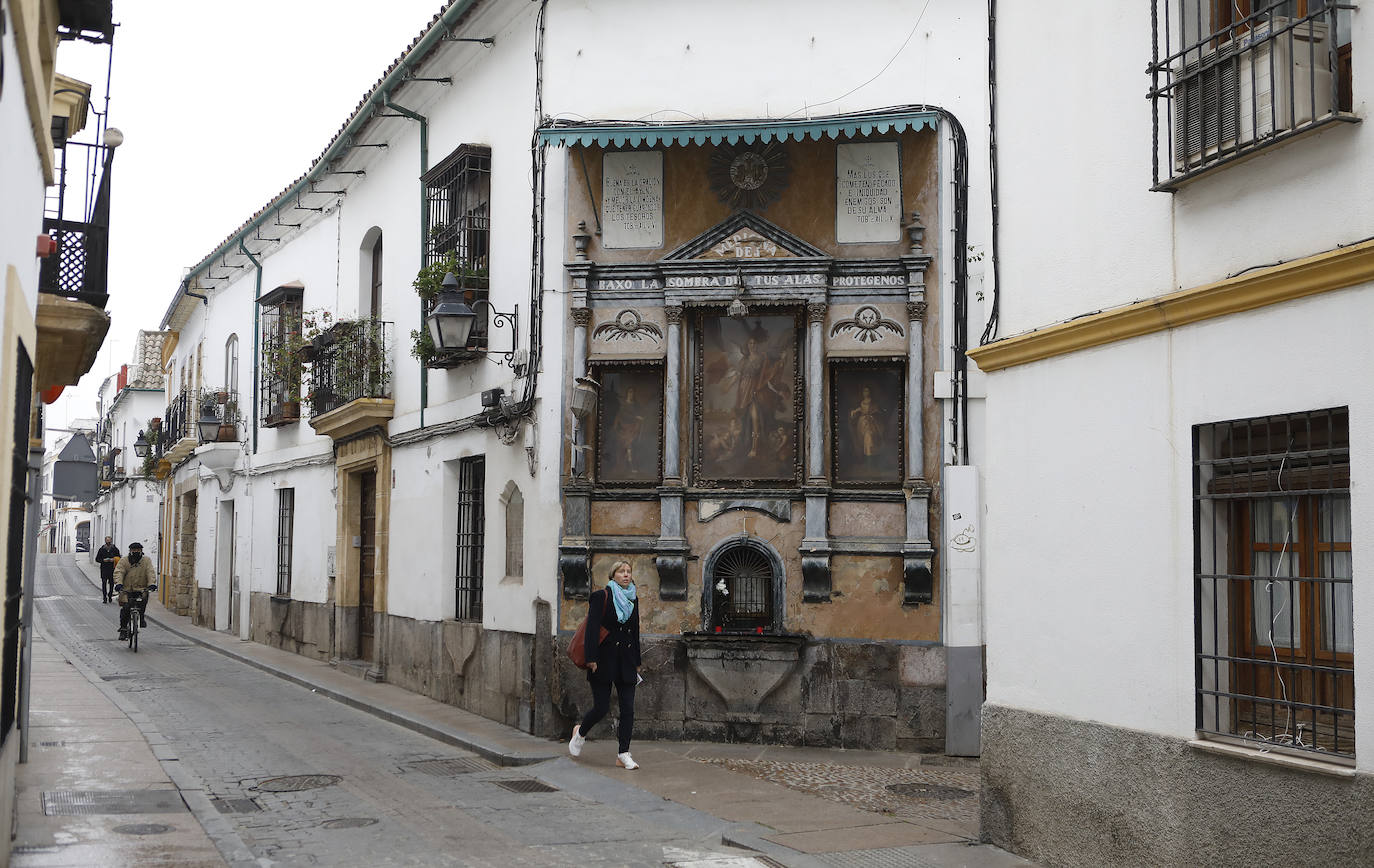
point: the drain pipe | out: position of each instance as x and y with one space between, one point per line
424 225
257 293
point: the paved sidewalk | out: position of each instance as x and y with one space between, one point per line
796 806
85 745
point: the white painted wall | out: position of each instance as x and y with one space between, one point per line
21 179
1090 603
1080 229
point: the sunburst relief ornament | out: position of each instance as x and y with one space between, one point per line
749 176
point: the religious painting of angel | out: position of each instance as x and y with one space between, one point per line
867 431
748 426
628 441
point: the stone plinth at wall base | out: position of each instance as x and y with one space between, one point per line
205 610
292 625
782 690
1076 793
487 672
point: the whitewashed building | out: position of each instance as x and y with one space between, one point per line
1180 437
627 224
128 506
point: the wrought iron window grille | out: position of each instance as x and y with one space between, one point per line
458 231
471 538
350 360
1228 79
1273 581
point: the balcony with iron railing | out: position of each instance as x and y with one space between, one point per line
350 377
1231 79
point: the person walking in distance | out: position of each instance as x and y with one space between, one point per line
106 556
134 573
613 661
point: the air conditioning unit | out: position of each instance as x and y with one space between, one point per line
1250 88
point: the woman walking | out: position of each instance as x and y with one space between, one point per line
613 660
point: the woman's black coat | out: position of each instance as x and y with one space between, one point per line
617 657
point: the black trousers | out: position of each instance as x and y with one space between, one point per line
142 606
601 697
107 584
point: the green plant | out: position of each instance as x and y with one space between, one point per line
428 283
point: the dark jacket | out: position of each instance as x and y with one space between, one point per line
102 557
616 658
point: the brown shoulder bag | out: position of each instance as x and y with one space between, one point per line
577 649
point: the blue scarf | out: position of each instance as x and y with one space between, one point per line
624 599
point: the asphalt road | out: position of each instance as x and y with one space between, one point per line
304 780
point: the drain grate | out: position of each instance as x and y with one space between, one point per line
928 791
526 785
236 806
447 768
51 743
143 678
68 803
349 822
143 829
296 783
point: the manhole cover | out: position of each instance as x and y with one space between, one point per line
296 783
67 803
447 768
526 785
236 806
349 823
928 791
143 829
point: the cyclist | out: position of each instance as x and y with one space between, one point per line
133 573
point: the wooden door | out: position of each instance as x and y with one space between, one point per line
367 561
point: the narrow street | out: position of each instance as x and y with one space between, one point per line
305 780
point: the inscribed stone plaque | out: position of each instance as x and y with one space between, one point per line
632 199
868 193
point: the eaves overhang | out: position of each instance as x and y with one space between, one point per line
440 27
622 134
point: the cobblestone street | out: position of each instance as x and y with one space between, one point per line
304 780
278 772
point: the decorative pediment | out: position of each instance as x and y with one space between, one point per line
745 236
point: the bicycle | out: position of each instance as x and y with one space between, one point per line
136 614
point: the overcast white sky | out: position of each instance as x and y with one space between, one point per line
221 106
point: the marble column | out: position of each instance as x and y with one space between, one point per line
815 546
917 551
671 549
574 552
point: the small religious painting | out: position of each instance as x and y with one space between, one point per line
867 433
747 382
628 442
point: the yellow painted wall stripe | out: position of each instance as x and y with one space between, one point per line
1334 269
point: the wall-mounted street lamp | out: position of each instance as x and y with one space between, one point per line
451 320
141 446
208 424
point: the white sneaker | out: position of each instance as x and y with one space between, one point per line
625 761
575 743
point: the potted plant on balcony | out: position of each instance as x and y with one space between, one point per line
229 421
428 283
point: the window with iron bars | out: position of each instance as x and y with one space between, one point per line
471 538
1273 582
1229 77
279 355
458 193
286 521
14 558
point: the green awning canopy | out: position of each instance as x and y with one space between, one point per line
620 135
